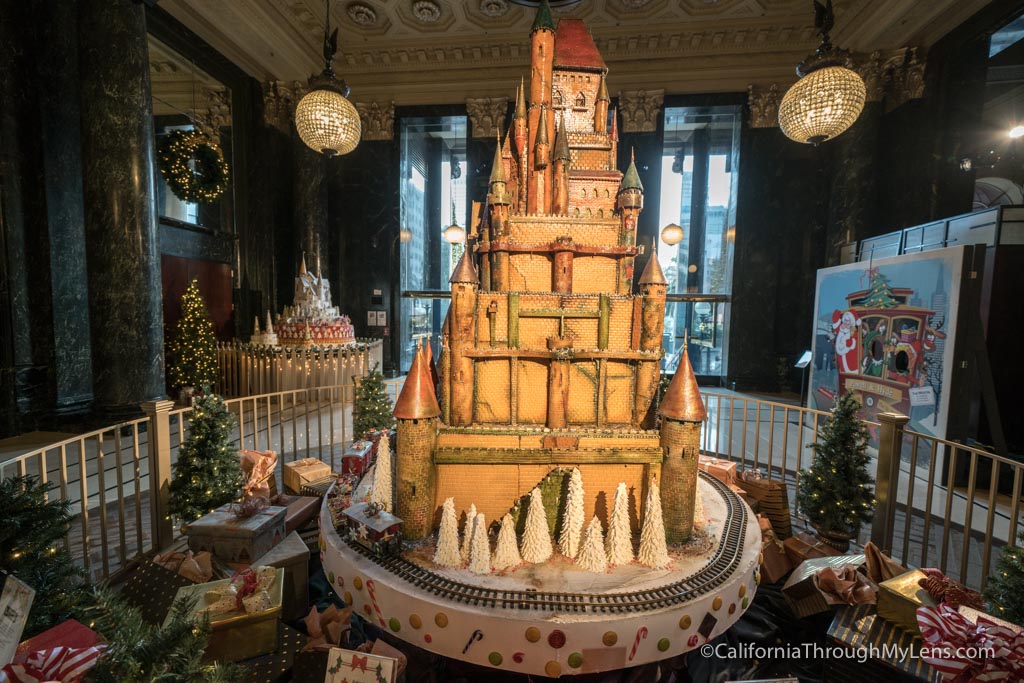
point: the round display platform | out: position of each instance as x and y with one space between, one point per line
555 619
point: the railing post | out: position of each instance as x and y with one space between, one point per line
890 448
159 438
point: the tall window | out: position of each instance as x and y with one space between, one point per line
698 192
433 189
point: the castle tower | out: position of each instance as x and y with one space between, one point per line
682 411
629 202
614 139
652 288
462 319
601 108
542 54
539 199
521 138
416 411
498 198
560 172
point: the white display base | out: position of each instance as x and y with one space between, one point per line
554 619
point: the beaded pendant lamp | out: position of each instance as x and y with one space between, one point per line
829 96
327 122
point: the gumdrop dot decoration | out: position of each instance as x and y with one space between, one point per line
556 639
441 619
575 660
394 624
663 644
494 658
685 622
610 638
533 634
415 621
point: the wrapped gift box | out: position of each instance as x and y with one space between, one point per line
292 555
772 500
317 489
804 546
276 667
151 589
237 635
302 510
69 633
298 473
775 563
802 592
973 615
859 627
899 598
722 470
349 666
237 540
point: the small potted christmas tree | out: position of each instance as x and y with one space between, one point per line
1005 590
835 492
373 409
194 349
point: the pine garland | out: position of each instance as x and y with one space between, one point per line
194 349
193 166
1005 589
207 473
373 410
835 492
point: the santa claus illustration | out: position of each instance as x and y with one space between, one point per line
844 326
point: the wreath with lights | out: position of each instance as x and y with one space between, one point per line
193 166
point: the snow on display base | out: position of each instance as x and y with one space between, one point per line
555 619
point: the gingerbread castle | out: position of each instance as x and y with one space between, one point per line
549 360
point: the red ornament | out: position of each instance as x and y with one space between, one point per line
427 638
518 657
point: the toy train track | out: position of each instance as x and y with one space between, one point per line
721 565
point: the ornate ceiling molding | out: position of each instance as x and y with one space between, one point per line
764 106
905 80
486 114
872 70
279 99
640 109
378 120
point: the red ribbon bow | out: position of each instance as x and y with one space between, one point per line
359 662
985 652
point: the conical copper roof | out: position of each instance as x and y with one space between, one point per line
465 271
417 400
653 274
682 399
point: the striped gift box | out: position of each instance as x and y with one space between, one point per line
860 626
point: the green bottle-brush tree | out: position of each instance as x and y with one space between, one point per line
207 473
836 492
1005 589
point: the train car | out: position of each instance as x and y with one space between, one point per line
357 458
883 352
373 528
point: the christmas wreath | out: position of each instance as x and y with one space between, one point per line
193 166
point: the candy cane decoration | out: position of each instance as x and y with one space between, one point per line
477 635
370 585
640 635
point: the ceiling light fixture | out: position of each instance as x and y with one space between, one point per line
327 122
454 233
829 96
1016 132
672 234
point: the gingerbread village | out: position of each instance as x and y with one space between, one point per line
537 454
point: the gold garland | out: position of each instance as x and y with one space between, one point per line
193 166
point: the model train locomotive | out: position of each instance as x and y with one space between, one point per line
373 528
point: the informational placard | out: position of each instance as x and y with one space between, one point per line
15 601
804 361
922 396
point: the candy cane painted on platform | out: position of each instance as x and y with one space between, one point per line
640 635
370 585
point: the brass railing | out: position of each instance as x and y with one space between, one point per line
939 503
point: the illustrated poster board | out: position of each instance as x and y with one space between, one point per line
885 330
15 602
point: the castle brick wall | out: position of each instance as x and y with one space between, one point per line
532 400
493 390
681 441
546 229
594 274
494 489
568 85
415 476
619 392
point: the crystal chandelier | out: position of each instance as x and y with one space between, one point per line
829 96
327 122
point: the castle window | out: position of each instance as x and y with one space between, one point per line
558 98
581 100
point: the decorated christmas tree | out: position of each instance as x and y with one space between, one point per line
880 294
480 548
373 408
447 554
653 550
620 541
506 552
536 546
1005 589
30 548
467 533
592 557
207 473
194 349
835 491
572 521
383 484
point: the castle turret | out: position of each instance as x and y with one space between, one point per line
497 197
560 172
542 53
601 107
613 137
416 411
682 412
652 324
521 134
464 283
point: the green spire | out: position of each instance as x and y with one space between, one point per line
631 180
562 141
543 20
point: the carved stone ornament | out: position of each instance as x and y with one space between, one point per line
378 120
764 106
362 14
905 79
426 11
279 99
872 70
640 109
486 114
493 8
218 110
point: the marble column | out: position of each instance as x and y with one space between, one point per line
853 200
309 208
120 222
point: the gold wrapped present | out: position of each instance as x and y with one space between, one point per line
301 472
899 598
235 635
